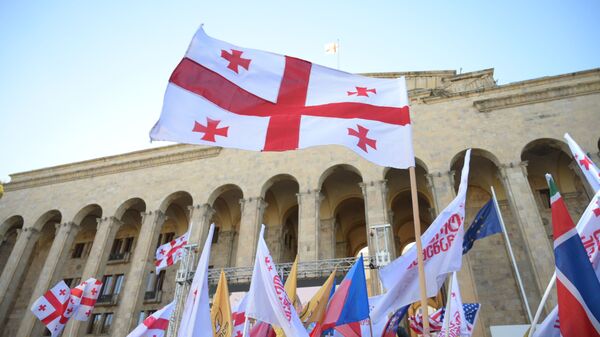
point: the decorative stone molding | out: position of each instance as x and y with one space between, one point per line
110 165
550 94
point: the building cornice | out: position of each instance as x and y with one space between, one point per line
110 165
538 96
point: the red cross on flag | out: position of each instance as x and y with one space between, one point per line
589 169
54 308
156 324
170 252
225 95
85 294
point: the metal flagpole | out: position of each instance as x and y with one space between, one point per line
419 244
245 326
540 308
512 256
370 326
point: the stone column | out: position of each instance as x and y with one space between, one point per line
227 237
252 217
15 269
96 262
327 239
309 204
442 188
200 216
522 202
140 265
63 240
376 213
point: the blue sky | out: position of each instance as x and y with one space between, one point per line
84 79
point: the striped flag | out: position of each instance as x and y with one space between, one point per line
576 283
435 321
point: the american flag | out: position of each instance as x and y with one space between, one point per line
435 321
471 312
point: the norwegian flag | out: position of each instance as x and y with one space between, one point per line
85 295
225 95
170 252
156 324
435 321
54 308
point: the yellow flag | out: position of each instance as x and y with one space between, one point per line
1 191
314 310
220 313
290 289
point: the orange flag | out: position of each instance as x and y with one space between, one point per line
220 313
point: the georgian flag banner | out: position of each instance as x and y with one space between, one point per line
156 324
587 166
171 252
442 254
195 320
85 295
54 308
239 318
267 300
224 95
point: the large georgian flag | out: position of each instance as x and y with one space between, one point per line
577 286
54 308
442 254
85 294
171 252
155 325
225 95
267 300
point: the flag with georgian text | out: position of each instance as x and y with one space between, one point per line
171 252
587 166
156 324
54 308
442 254
267 300
224 95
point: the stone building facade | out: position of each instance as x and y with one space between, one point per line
105 217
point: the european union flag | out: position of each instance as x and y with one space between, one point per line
486 223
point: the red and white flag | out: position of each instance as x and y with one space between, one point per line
170 252
85 295
589 169
54 308
435 321
238 316
442 254
267 300
455 323
195 320
156 324
225 95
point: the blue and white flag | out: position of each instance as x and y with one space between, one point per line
486 223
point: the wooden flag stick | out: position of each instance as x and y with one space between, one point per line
419 244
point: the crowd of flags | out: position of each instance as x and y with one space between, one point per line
225 95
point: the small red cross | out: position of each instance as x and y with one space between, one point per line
162 251
586 162
94 291
238 334
363 140
42 307
62 292
235 60
87 313
362 91
210 130
69 310
597 210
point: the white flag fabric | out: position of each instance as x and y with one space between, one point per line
442 254
54 308
588 228
171 252
195 320
155 325
238 316
587 166
267 300
225 95
85 294
454 323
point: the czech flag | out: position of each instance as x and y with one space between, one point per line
350 303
